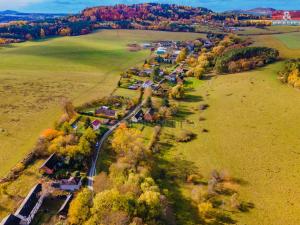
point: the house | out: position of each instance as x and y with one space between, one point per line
138 116
161 51
63 211
30 205
146 45
96 124
146 73
149 115
105 111
49 165
11 220
71 184
133 87
147 84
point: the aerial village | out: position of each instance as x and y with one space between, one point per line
62 176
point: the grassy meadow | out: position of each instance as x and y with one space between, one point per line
287 44
35 76
252 132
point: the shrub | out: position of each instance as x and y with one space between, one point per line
185 136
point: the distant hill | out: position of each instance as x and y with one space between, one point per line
10 15
255 11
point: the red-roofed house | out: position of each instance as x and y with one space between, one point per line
96 124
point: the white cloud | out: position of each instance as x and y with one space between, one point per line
16 4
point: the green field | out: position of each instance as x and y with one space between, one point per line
35 76
253 134
291 40
287 44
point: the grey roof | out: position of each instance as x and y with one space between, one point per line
30 201
11 220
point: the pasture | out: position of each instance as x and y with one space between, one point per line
252 132
35 76
287 44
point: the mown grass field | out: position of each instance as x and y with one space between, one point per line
268 30
35 76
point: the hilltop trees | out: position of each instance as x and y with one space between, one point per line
242 59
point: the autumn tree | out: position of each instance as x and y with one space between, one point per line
177 92
182 55
128 142
199 71
79 210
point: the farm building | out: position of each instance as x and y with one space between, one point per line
11 220
30 205
49 165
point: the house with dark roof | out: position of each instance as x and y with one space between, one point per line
138 116
105 111
11 220
30 205
49 165
149 115
63 211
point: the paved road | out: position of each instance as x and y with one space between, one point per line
92 171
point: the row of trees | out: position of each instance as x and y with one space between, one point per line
243 59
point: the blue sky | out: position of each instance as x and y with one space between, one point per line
73 6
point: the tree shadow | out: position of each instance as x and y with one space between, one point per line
192 98
170 174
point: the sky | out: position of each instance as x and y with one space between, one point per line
74 6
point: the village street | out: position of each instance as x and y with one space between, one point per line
92 171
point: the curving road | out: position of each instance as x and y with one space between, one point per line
92 171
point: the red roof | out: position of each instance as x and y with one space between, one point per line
96 123
280 14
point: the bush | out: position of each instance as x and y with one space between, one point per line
185 136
